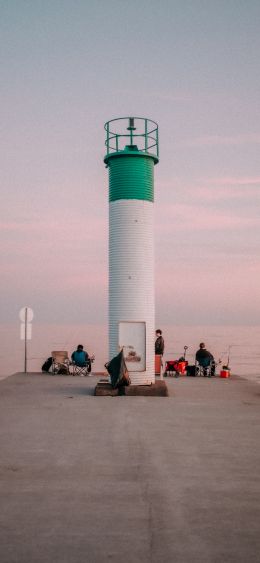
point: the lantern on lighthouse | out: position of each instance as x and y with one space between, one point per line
132 152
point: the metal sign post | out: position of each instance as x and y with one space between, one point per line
26 316
25 342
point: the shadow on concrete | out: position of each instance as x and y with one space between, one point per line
72 390
80 391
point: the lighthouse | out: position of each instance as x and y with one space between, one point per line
132 151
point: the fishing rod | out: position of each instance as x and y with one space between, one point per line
229 348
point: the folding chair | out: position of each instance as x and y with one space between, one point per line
60 362
80 370
204 367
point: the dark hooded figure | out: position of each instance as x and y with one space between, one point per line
118 371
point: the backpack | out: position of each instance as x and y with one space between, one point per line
191 370
46 366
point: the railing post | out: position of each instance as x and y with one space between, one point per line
107 137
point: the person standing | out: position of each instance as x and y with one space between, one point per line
159 349
159 343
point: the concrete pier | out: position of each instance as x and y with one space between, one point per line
77 486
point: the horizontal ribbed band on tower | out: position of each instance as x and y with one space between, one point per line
131 177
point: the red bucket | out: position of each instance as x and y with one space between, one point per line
225 373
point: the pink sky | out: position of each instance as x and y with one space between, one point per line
67 70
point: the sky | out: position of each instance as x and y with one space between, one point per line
67 67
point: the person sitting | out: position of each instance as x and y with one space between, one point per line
205 360
81 358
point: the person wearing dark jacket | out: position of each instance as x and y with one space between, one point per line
205 359
159 342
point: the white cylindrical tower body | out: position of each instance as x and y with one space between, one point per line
131 279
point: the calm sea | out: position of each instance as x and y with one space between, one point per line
241 343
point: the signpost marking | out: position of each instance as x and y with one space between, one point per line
26 316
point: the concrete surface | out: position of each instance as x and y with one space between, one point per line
129 479
157 389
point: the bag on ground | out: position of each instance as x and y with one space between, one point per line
191 370
118 371
46 366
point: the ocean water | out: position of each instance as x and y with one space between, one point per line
240 343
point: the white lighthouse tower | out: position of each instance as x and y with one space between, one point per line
132 152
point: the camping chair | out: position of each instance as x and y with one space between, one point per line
82 369
60 362
204 367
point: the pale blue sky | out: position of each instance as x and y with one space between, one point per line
69 66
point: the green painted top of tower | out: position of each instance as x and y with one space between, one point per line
132 152
131 136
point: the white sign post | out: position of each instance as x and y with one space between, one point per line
26 316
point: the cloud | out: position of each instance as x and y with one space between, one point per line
225 192
158 95
66 227
46 253
210 189
234 180
195 217
16 226
208 291
220 140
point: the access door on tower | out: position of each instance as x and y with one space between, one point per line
132 338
